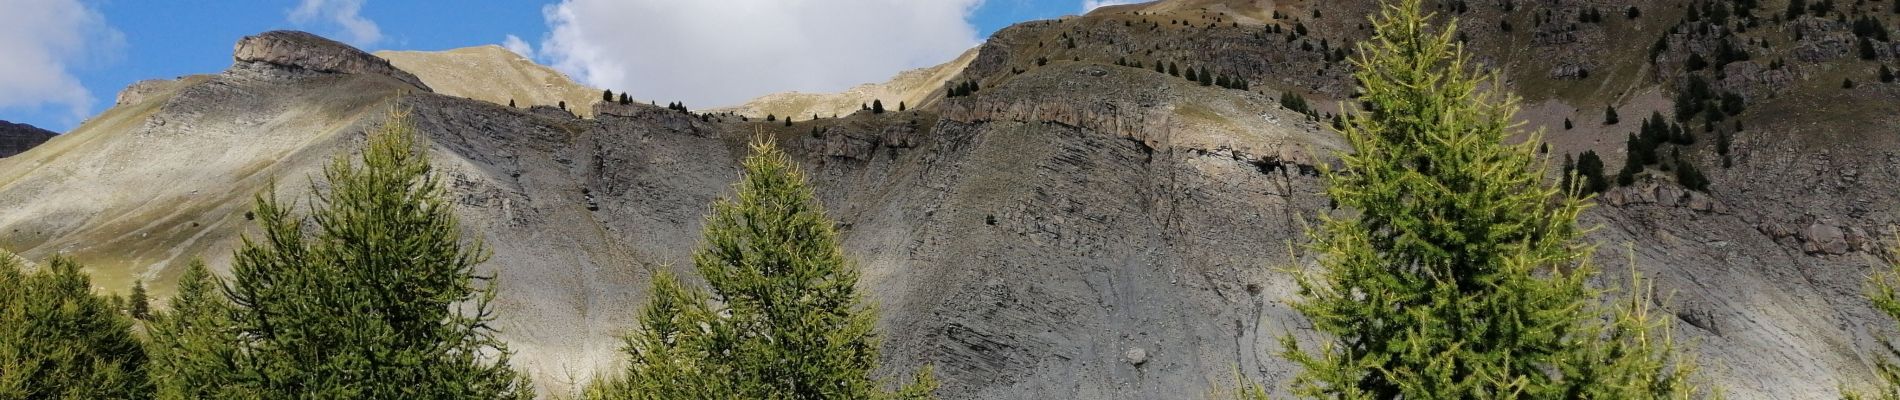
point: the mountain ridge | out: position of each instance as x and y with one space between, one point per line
1026 238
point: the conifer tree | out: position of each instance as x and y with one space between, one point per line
378 298
1886 74
137 304
193 345
789 323
877 106
607 96
58 340
1590 169
1609 115
1461 274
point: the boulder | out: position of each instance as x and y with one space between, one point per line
302 50
1824 239
1136 356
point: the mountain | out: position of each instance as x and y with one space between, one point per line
17 138
913 88
1082 226
494 74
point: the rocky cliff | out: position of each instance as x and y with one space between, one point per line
302 50
17 138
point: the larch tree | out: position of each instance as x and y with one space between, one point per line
374 295
1461 274
789 322
58 340
192 344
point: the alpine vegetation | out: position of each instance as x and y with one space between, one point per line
373 296
1461 272
788 322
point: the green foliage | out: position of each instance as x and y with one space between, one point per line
607 95
877 107
1609 115
1883 287
138 305
374 295
60 341
1886 74
1295 102
789 322
1689 176
193 345
1461 275
1590 168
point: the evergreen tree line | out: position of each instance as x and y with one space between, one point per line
965 88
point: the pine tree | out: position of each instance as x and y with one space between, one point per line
1462 274
1609 115
193 344
58 340
1590 169
137 304
378 298
1886 74
877 106
790 323
607 96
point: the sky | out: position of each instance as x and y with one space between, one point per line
62 61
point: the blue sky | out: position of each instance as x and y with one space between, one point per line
125 41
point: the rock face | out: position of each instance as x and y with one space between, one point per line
18 138
302 50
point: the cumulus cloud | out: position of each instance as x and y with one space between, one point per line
515 44
345 14
42 40
1091 5
716 53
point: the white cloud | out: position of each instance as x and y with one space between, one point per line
1091 5
42 40
515 44
716 53
346 14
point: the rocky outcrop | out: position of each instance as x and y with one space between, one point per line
18 138
302 50
1664 195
